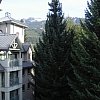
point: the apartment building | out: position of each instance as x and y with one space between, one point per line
10 68
15 60
27 68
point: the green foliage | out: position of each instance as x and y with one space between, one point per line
92 17
52 57
85 64
86 57
32 36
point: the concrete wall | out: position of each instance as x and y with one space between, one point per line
27 55
13 29
17 30
27 93
3 28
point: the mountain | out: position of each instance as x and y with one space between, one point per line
36 27
34 30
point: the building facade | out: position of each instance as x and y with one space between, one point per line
12 26
11 68
15 61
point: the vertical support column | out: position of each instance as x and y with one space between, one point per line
6 27
6 54
0 96
23 34
20 94
20 76
20 59
7 79
0 81
13 29
7 95
0 86
19 54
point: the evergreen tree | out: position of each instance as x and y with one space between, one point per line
92 17
86 57
86 69
52 57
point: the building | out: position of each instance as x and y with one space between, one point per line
15 60
12 26
10 68
27 68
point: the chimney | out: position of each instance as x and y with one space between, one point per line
7 14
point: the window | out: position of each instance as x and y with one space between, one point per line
23 72
15 56
14 94
29 70
3 79
3 95
21 55
2 55
28 85
23 88
17 33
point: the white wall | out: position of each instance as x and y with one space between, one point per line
13 29
3 28
29 53
17 30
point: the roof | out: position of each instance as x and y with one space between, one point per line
6 40
1 68
25 47
8 19
27 64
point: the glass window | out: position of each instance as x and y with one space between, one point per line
3 79
23 88
29 70
23 72
3 95
28 85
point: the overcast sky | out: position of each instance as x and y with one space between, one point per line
39 8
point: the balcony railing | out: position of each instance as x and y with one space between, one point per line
14 81
14 98
11 63
14 63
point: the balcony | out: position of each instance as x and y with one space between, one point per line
14 63
14 81
15 98
11 63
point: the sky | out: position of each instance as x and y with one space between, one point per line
39 8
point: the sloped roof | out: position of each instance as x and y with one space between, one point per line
1 68
25 47
6 40
11 20
27 64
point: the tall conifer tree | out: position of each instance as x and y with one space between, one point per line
92 17
86 57
52 54
85 81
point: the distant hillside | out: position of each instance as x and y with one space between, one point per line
36 27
